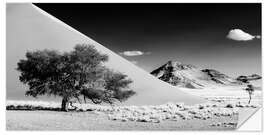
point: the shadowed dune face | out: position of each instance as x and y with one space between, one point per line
30 28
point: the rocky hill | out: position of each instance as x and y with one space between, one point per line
189 76
247 79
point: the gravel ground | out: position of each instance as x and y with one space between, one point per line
53 120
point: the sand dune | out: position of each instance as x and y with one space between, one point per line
30 28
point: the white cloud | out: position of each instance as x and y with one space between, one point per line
240 35
258 36
134 53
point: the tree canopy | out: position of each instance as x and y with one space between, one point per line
114 84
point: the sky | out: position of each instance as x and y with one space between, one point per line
149 35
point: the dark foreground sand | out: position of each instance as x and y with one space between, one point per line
53 120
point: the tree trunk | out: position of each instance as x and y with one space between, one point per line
64 106
249 99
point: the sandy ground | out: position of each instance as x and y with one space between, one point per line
52 120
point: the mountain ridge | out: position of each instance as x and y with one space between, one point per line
189 76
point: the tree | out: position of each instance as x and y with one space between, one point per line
71 75
250 90
65 75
